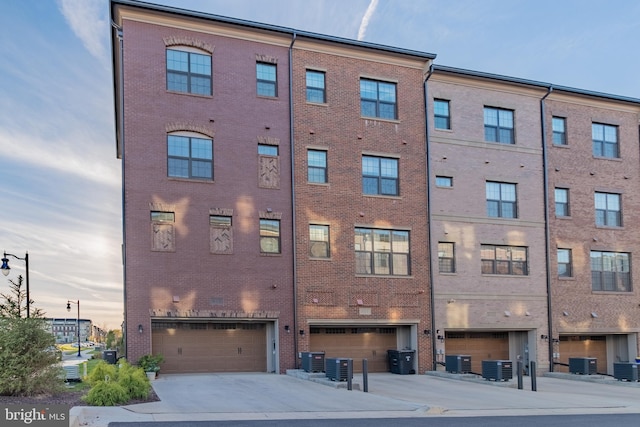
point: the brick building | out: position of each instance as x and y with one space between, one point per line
362 270
287 192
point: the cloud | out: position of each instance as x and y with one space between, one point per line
88 20
366 18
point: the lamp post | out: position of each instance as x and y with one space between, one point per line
5 270
69 309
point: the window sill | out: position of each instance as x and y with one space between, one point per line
319 104
316 258
563 146
268 254
612 292
382 196
197 95
447 274
321 184
510 276
615 159
382 276
443 130
567 278
267 97
563 217
610 227
192 180
380 119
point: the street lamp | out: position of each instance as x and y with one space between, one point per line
5 270
69 309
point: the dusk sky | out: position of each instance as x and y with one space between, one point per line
60 186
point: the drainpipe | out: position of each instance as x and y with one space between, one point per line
120 130
547 237
429 231
293 207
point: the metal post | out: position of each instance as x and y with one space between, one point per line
79 355
365 375
349 374
532 370
519 370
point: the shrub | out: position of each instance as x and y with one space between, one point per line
116 384
26 367
102 372
107 393
151 362
134 380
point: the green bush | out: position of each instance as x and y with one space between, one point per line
26 367
116 384
107 393
134 380
102 372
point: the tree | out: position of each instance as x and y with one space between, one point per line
11 305
27 367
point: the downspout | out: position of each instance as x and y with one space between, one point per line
120 131
429 231
293 206
547 236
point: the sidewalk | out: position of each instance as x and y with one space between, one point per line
197 397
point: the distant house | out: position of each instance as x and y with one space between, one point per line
65 330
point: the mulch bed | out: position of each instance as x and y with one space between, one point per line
71 398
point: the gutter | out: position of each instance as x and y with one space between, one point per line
429 222
293 205
547 236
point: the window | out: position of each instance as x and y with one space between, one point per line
319 241
559 130
188 72
608 212
379 176
564 263
317 166
267 150
382 252
315 87
220 234
498 125
378 99
562 201
444 181
501 200
446 261
266 79
163 231
190 157
157 216
510 260
605 140
610 271
270 236
441 118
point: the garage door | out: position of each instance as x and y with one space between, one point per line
479 345
583 346
356 343
210 347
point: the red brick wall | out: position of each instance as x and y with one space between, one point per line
339 128
574 167
245 280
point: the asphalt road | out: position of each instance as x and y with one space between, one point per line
617 420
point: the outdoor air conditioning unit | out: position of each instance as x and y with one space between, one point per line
313 361
337 369
457 363
583 365
72 373
625 371
497 370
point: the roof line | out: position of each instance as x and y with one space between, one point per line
268 27
526 82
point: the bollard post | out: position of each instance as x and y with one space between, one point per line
349 374
519 369
532 370
365 375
